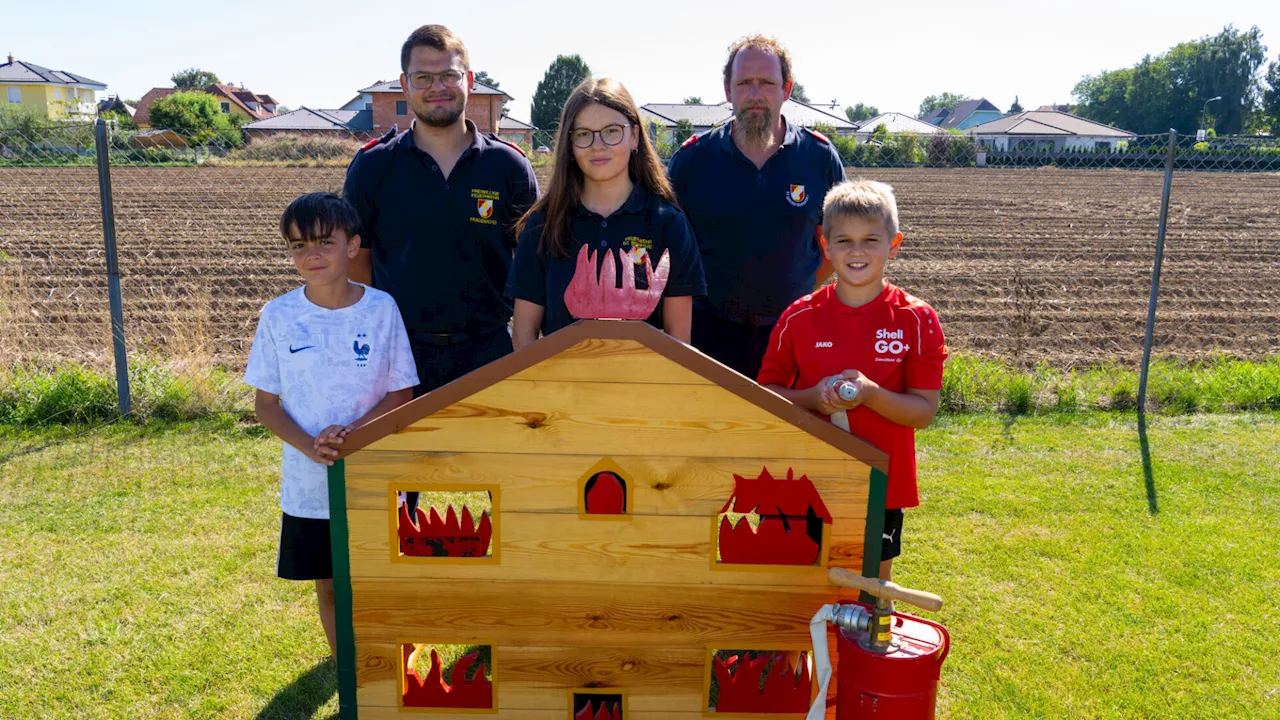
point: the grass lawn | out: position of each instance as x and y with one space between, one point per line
137 571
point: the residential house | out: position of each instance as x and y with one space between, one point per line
1055 108
516 131
56 94
965 115
386 103
1047 131
895 123
113 104
232 100
663 118
357 124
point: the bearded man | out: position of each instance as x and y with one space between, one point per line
438 205
753 190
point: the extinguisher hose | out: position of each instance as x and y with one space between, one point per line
821 659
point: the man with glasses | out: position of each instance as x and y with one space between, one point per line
438 205
753 191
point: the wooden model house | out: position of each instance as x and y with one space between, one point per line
613 562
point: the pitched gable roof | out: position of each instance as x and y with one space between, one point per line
142 116
965 109
240 98
1047 122
393 86
510 123
897 123
19 72
643 333
306 118
937 116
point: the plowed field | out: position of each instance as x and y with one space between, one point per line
1025 265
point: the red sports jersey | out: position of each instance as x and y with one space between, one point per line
895 340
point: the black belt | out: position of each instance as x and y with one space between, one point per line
751 320
443 339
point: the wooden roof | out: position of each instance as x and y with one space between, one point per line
640 332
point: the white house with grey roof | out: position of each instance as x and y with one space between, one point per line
664 117
1047 131
894 123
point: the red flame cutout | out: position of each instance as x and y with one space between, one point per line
433 692
594 297
608 711
785 690
434 537
786 509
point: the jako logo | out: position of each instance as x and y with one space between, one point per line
890 341
821 344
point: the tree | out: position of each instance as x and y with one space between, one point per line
1271 98
693 100
798 94
483 77
197 117
1170 90
860 112
945 101
561 78
193 79
1016 107
684 128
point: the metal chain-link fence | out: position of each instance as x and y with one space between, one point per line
1037 252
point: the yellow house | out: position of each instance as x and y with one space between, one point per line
54 93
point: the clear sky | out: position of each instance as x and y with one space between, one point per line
319 53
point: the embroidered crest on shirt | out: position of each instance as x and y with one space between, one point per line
797 196
485 200
639 246
361 350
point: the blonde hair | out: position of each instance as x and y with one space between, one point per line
764 44
863 199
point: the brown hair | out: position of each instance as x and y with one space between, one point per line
861 198
762 43
564 191
437 37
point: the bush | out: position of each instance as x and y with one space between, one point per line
197 117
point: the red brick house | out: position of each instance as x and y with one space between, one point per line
386 103
233 101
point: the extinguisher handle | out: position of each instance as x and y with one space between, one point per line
885 589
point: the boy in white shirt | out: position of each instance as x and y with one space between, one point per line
326 358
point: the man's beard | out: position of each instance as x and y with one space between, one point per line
755 128
441 117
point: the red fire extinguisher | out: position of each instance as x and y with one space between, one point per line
889 662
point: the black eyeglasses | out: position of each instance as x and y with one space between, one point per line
426 80
609 135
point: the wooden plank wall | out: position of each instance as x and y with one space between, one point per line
575 603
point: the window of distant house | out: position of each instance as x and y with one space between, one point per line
368 106
226 107
57 93
401 108
15 94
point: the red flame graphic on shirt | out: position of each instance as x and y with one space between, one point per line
595 297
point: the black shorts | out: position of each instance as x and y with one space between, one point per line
305 553
891 542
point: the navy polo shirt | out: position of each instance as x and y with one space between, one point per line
756 227
643 222
442 247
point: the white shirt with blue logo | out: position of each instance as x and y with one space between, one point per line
329 367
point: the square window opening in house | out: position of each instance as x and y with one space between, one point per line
598 704
437 523
402 108
759 681
440 675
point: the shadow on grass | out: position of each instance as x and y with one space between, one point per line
1152 505
305 695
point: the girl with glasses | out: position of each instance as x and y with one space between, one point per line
608 192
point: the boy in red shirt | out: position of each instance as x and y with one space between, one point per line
865 330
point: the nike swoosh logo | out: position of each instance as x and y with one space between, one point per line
292 350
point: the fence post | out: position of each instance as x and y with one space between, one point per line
1155 271
113 268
